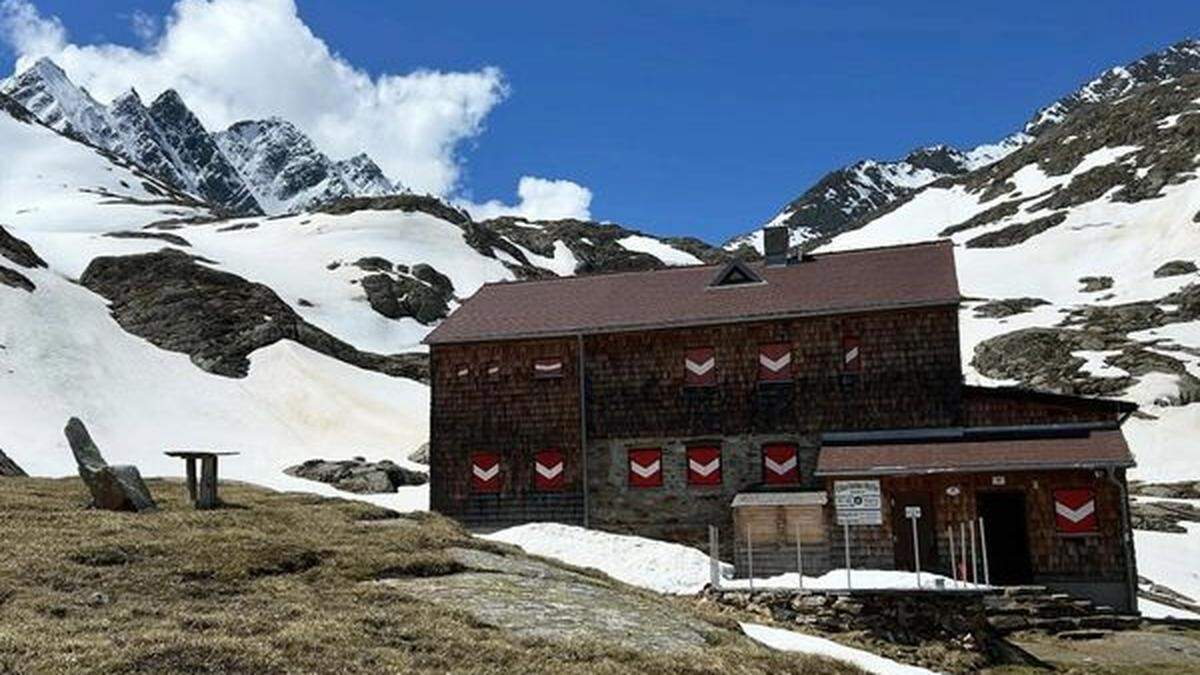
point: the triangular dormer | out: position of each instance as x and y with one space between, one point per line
735 273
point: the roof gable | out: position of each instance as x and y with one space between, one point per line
735 273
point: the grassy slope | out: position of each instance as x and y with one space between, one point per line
273 584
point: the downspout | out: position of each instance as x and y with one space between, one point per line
583 453
1126 540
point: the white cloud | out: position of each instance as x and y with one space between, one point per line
144 25
539 199
238 59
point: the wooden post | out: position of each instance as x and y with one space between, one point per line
714 560
750 557
974 561
987 575
799 557
208 483
953 561
191 478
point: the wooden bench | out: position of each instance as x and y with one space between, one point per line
203 496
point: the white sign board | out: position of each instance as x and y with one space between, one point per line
858 502
912 512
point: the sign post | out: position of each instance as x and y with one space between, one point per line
913 513
858 502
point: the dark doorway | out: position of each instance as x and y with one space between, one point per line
902 537
1004 521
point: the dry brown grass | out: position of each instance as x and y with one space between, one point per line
272 584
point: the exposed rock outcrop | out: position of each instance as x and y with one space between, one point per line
1095 284
14 279
113 488
9 468
161 236
18 251
999 309
423 293
1175 268
420 455
216 317
358 475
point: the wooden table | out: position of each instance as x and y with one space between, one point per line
203 496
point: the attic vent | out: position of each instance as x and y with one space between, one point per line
736 273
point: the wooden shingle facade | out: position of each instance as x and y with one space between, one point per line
649 403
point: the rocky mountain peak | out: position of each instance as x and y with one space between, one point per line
1181 58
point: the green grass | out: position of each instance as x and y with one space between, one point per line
276 583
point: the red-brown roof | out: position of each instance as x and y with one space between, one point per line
899 276
1085 451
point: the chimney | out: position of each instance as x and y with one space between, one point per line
776 241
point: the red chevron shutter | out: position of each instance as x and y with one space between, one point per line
704 465
851 354
549 470
1075 511
700 367
645 467
775 362
485 472
781 464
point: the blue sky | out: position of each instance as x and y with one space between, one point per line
703 118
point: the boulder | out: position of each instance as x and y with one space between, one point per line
420 455
9 468
113 488
358 475
1175 268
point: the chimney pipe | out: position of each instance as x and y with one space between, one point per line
776 241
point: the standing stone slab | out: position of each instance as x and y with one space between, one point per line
9 467
113 488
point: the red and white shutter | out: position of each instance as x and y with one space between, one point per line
704 465
851 354
549 470
1075 511
485 472
700 367
781 464
775 362
547 368
645 467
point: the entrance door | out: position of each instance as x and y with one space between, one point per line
902 538
1004 523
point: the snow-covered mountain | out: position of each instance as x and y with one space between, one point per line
287 173
162 322
852 195
254 167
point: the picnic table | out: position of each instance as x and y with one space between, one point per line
204 496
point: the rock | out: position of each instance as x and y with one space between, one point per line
9 468
14 279
113 488
18 251
1095 284
1180 490
98 599
1163 516
403 296
161 236
406 202
420 455
218 318
998 309
374 263
358 475
1175 268
1017 233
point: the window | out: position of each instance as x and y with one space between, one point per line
775 362
1075 511
851 353
700 367
645 467
485 472
781 464
549 470
704 465
548 368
